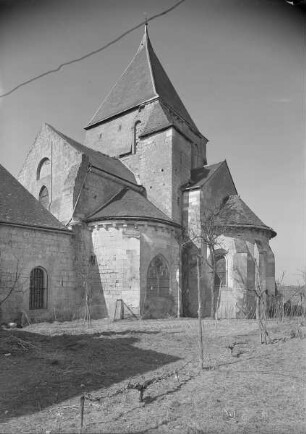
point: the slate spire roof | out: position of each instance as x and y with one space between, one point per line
19 208
143 80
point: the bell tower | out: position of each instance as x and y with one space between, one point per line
144 123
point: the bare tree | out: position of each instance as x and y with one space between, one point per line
188 240
211 231
9 280
260 292
302 289
85 275
261 310
200 311
205 235
295 296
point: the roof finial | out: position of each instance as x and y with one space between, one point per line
146 23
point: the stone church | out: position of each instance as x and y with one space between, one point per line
89 225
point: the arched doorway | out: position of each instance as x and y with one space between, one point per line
158 278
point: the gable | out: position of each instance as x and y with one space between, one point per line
67 181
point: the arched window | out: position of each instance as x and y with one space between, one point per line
158 281
136 136
44 168
220 276
38 288
44 196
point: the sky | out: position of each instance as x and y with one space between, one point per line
238 66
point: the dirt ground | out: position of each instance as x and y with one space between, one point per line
251 388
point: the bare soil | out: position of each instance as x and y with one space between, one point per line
245 387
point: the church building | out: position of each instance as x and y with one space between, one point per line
109 218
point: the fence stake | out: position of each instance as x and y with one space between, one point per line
82 403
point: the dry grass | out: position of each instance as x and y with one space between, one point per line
252 389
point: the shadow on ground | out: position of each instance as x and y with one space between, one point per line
41 370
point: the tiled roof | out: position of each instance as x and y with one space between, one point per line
143 80
19 207
235 212
102 161
129 204
203 174
160 118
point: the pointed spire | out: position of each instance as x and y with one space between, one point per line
145 38
143 80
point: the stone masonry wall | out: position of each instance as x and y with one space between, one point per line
123 252
89 284
117 250
156 170
114 137
181 165
162 165
24 249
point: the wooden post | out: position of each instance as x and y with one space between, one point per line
179 291
82 403
121 309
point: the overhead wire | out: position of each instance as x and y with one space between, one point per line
91 53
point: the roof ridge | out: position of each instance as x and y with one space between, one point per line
81 144
147 41
170 108
64 136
